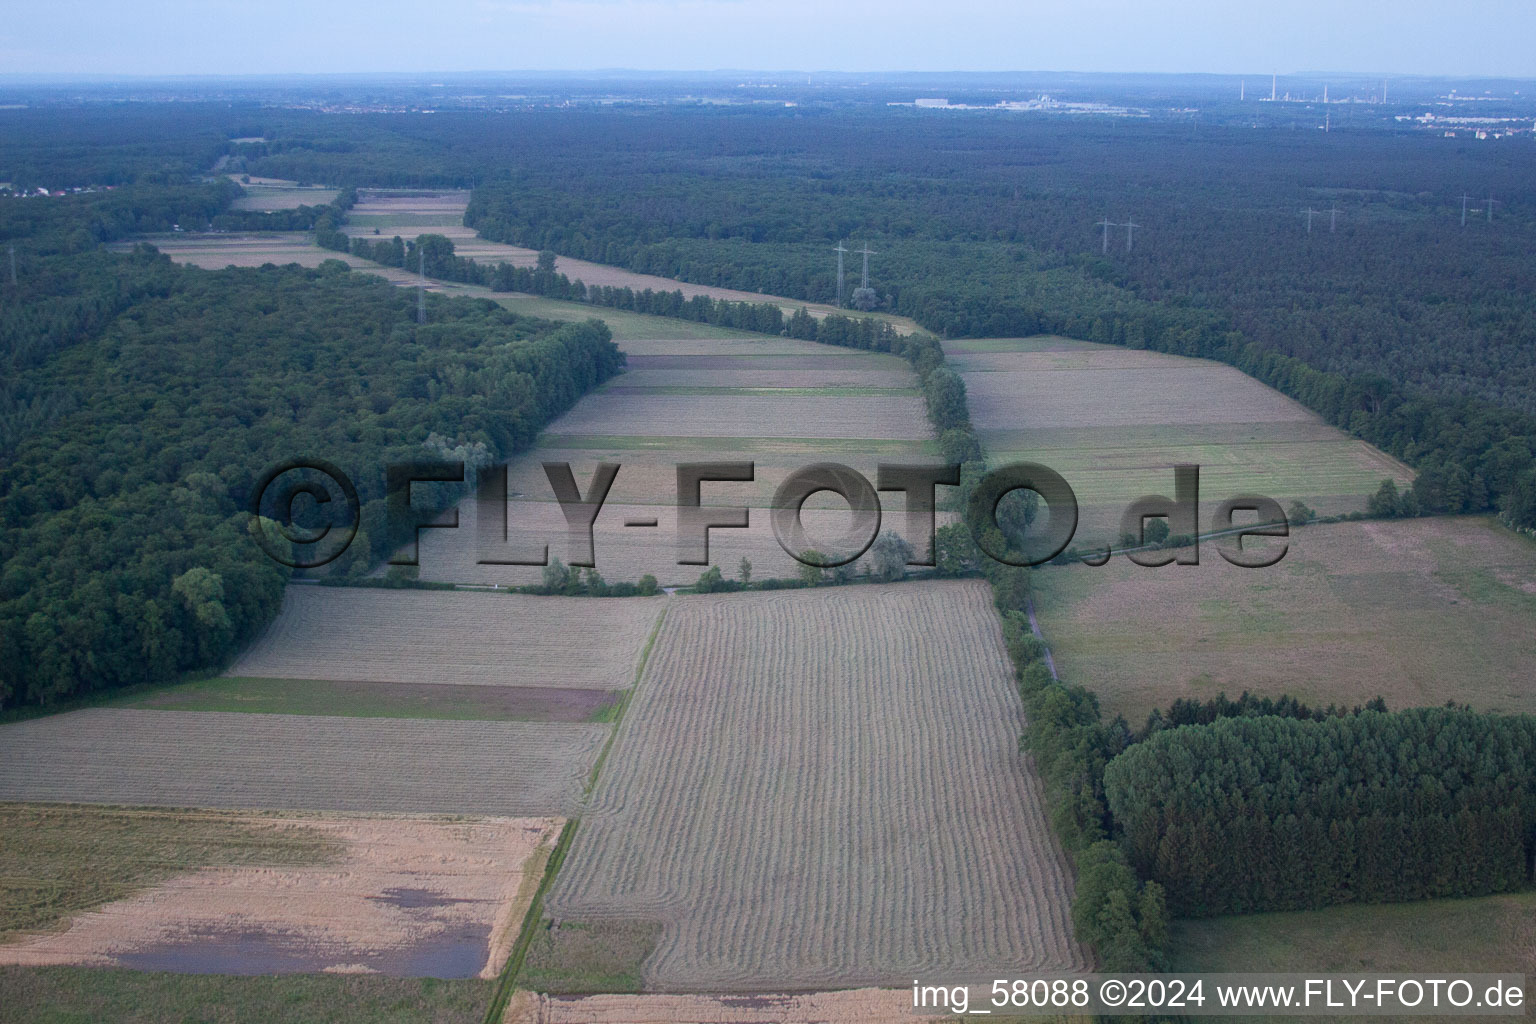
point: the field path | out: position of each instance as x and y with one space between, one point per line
1034 626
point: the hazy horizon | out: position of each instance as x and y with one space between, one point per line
1259 78
182 38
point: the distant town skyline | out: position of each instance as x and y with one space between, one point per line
1474 38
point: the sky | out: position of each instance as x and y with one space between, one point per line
1461 38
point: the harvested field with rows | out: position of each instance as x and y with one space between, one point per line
454 637
779 403
766 416
310 762
1114 421
365 699
1419 611
400 896
824 788
395 212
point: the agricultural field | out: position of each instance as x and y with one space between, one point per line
452 637
1418 611
1489 934
400 896
1114 421
368 699
407 214
215 252
1486 933
310 762
395 212
823 788
72 995
846 1006
64 859
626 326
779 403
270 194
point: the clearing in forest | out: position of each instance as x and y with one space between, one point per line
271 194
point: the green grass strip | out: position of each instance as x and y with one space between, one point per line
507 982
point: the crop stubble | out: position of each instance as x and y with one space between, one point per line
824 788
454 637
313 762
650 433
1114 421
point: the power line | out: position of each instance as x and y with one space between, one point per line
421 285
840 250
1106 224
864 282
1464 200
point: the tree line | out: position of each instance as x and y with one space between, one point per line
1273 813
1399 326
434 255
145 399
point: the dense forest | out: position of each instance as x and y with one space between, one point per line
1388 316
142 401
1272 813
